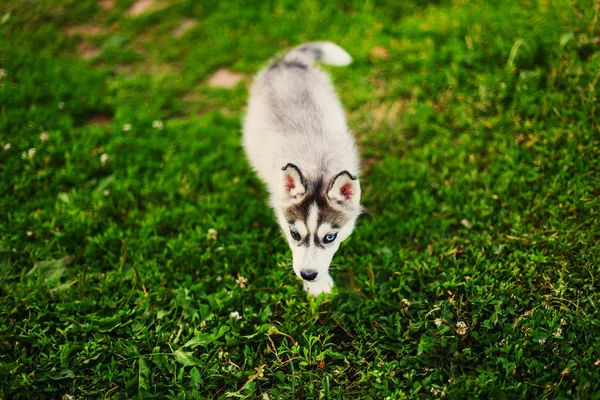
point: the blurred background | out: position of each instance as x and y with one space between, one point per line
132 229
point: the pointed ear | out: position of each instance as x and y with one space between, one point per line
344 190
292 183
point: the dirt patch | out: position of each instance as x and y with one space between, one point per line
164 70
87 51
144 6
107 5
379 52
139 7
100 119
224 78
88 37
388 114
85 30
185 26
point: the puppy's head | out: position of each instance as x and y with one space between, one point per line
316 215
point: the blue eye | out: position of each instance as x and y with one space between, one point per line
330 237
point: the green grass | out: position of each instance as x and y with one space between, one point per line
474 272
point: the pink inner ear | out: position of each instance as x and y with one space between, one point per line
346 191
289 183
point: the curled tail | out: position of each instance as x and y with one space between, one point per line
326 52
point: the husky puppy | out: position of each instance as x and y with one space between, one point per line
296 138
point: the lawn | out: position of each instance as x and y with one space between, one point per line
139 259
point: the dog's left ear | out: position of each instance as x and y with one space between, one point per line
344 189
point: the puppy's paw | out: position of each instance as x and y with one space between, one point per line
323 285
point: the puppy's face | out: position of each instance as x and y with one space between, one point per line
316 216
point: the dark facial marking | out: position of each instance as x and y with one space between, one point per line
315 193
318 241
305 242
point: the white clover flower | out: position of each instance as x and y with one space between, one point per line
241 281
404 303
126 127
542 341
61 105
212 234
157 124
31 152
44 136
563 321
106 192
461 328
219 278
437 322
235 315
104 159
558 332
29 233
7 146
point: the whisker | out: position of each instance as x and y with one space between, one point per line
277 238
351 245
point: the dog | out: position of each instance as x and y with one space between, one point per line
296 138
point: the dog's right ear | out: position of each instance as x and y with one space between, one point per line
292 183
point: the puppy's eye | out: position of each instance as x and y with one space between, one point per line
330 237
295 235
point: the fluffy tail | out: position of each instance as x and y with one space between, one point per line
326 52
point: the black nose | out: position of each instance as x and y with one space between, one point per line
308 275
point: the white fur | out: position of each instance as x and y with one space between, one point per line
280 129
